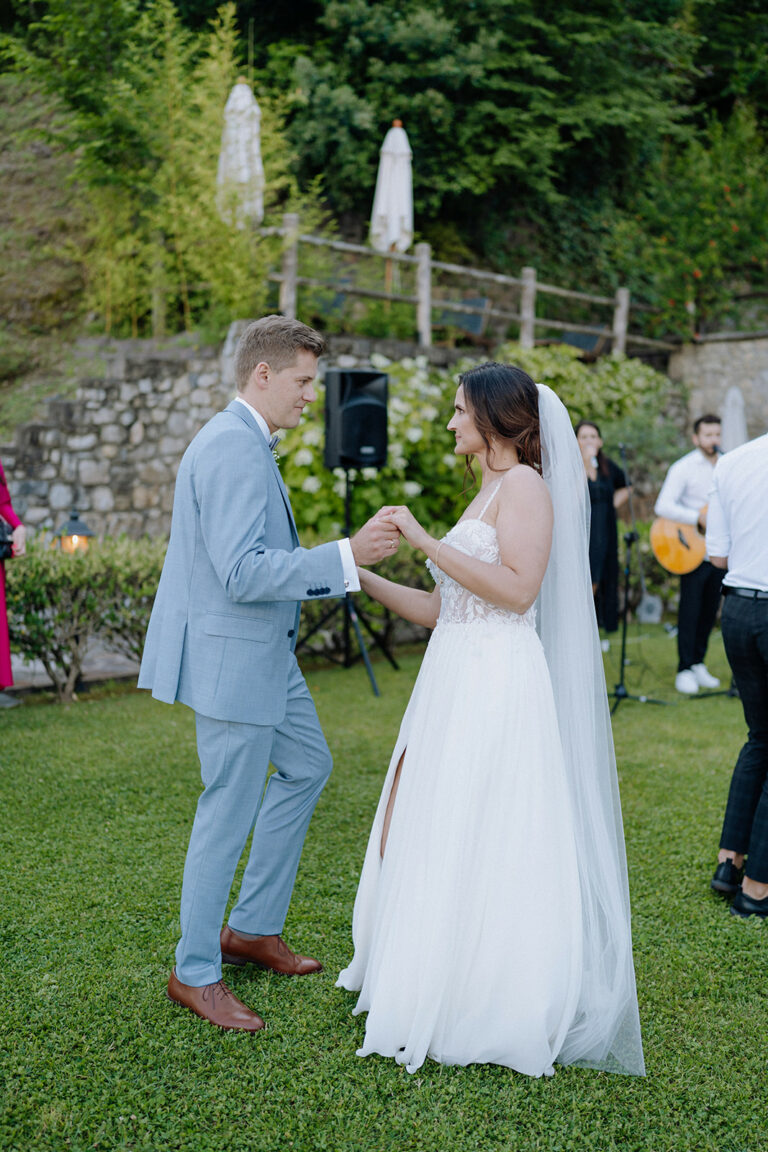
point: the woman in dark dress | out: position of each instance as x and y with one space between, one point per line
607 492
8 514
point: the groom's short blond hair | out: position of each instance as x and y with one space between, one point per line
274 340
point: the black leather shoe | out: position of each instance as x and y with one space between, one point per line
744 905
727 878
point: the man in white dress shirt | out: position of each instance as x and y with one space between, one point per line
737 540
683 497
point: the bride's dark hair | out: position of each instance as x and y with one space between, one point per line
504 402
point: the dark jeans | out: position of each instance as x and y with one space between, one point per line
745 828
699 599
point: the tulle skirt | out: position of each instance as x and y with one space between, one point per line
468 934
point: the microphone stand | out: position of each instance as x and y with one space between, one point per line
620 690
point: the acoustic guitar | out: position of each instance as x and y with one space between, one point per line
679 548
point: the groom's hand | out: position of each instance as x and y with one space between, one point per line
375 540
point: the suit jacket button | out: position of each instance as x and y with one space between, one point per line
290 634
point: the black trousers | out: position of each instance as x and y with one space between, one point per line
699 599
745 828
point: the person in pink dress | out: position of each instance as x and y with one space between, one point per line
19 535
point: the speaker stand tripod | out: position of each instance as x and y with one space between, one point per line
620 690
353 617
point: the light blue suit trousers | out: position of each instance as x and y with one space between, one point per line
234 759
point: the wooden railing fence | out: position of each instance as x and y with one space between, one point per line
529 289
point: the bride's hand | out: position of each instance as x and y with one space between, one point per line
407 524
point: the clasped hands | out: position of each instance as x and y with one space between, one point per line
381 535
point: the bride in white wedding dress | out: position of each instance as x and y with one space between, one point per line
491 923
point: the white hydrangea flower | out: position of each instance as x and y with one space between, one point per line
398 463
340 474
312 484
368 473
303 457
411 488
414 435
340 488
379 361
429 413
450 460
312 435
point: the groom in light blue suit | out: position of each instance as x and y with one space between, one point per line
221 639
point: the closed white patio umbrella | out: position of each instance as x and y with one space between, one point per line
240 176
733 431
392 215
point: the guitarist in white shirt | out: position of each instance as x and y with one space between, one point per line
683 498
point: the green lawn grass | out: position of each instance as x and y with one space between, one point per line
96 803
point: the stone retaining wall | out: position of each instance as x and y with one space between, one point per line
713 370
113 449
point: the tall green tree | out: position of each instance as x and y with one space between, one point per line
732 56
528 98
695 237
145 128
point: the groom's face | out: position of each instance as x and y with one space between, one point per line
286 393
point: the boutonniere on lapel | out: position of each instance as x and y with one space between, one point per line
273 443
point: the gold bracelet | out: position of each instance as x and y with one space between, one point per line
437 552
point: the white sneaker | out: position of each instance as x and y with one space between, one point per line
686 682
704 679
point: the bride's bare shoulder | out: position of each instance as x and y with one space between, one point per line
523 480
524 492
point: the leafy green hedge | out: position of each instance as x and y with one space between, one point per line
57 602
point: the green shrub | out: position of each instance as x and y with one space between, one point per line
57 602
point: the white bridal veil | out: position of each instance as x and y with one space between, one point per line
606 1029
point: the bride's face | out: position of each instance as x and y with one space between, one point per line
469 442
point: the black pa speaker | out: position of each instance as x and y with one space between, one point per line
355 418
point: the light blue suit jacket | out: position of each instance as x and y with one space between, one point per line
226 614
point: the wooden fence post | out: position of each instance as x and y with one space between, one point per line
620 321
424 294
528 308
290 265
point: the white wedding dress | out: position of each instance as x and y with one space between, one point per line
468 934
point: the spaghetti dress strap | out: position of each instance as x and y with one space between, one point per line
490 499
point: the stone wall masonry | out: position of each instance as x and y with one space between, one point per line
113 450
713 369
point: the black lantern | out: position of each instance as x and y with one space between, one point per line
75 534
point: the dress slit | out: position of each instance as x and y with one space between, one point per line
391 803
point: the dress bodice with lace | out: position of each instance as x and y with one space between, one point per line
475 537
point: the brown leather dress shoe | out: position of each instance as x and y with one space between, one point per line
266 951
216 1003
